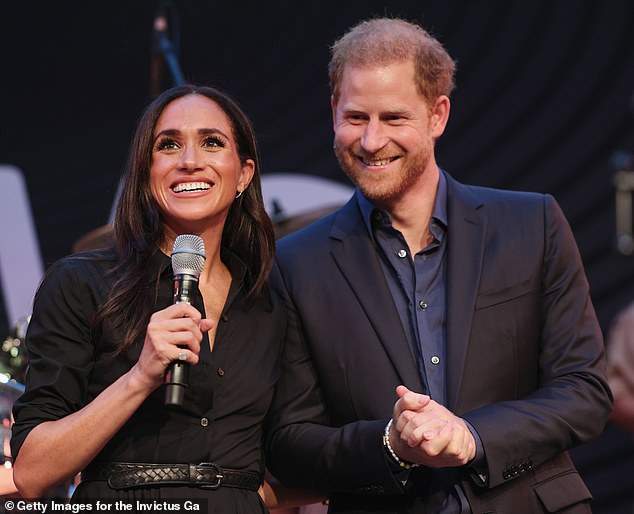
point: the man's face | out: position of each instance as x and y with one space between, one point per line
385 130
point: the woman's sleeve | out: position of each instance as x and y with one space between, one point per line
59 348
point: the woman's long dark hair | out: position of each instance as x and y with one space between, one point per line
138 230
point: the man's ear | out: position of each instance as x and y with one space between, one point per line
440 116
333 107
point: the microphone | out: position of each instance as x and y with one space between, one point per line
188 258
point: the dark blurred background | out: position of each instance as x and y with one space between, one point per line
544 102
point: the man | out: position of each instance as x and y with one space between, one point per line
443 353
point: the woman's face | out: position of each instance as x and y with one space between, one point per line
196 170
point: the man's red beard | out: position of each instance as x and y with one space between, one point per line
380 186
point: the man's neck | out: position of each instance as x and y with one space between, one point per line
412 212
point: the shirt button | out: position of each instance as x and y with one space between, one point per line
402 254
423 305
435 359
221 372
224 317
204 422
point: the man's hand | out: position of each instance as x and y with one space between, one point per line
425 432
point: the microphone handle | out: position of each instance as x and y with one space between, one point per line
176 381
177 376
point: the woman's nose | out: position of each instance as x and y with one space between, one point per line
190 158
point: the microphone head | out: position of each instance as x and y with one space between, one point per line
188 255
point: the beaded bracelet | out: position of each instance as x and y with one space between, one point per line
388 447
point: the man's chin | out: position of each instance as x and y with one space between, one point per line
377 193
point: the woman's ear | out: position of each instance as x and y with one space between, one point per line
246 174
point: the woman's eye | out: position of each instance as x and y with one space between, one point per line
166 144
213 142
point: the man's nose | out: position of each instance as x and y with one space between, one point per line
374 137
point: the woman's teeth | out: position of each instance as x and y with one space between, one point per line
191 186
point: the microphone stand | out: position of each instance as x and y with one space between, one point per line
163 49
623 164
624 181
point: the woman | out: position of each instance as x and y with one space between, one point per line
105 329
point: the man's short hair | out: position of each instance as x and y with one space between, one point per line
383 41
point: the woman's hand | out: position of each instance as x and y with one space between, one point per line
174 333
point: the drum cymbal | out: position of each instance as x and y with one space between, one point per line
101 237
285 226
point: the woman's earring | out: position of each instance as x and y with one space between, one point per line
238 194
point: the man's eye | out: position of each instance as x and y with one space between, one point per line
356 118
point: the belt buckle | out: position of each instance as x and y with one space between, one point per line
215 473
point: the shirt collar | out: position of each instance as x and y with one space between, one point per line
439 214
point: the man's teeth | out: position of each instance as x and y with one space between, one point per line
378 162
190 186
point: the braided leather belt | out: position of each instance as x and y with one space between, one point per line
206 475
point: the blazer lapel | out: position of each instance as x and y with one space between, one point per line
356 256
467 228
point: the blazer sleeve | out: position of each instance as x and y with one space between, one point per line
303 449
570 401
